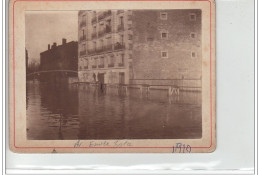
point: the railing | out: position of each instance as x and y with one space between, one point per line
83 52
82 38
182 83
111 65
101 16
94 35
107 13
82 23
108 29
104 15
101 66
108 48
101 33
91 51
101 49
94 20
120 27
94 66
121 64
120 11
119 46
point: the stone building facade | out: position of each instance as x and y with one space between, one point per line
59 61
139 46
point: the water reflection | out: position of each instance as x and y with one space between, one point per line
57 112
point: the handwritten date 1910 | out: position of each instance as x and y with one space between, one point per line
181 148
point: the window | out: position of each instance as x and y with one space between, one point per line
83 47
192 17
130 37
83 18
101 43
111 60
122 39
94 29
163 16
96 62
94 45
193 54
121 60
101 61
121 20
164 54
193 35
164 35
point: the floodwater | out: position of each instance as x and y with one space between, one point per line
70 112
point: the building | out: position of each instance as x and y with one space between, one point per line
139 46
59 62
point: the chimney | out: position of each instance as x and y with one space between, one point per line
49 46
64 41
54 45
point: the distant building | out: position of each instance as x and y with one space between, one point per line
139 46
59 62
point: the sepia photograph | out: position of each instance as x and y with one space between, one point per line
113 76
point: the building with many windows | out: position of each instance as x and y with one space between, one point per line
139 46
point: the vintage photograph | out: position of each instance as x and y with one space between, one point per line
113 74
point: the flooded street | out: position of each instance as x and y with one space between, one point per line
69 112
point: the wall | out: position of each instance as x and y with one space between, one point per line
148 44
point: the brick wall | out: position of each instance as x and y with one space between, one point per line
148 44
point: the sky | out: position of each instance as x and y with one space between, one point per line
46 27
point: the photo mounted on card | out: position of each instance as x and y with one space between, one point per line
112 76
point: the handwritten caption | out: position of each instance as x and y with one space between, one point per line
117 143
181 148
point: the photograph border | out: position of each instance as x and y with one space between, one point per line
53 147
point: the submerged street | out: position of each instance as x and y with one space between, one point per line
69 112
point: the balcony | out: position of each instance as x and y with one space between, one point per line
101 16
107 13
108 48
119 46
99 50
82 24
94 20
94 66
120 64
94 35
111 65
101 33
91 51
83 52
82 38
120 27
108 29
120 11
104 15
101 66
103 49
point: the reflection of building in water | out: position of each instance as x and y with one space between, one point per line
59 57
139 46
